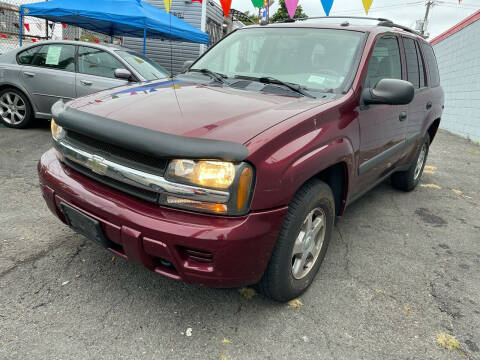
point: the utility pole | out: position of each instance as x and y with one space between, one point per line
428 5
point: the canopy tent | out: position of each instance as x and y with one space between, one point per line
133 18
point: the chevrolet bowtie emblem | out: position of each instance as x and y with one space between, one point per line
97 165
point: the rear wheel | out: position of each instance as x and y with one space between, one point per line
409 179
302 243
15 109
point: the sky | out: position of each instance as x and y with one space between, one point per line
404 12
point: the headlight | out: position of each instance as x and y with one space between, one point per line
236 179
57 131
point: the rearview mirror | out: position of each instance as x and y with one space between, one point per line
123 74
186 65
390 92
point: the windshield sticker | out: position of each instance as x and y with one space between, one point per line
316 79
53 55
140 61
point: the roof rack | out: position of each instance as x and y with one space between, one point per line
381 22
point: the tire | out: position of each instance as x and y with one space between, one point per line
407 180
15 109
284 278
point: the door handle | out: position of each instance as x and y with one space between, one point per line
429 105
29 74
85 82
402 116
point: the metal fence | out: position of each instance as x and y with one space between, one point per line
36 30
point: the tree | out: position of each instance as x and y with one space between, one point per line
282 14
252 16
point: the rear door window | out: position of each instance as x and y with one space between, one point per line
55 56
411 57
97 62
385 61
431 65
421 66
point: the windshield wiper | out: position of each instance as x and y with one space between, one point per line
214 75
271 80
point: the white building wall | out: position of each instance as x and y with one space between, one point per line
458 59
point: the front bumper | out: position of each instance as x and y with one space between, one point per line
204 249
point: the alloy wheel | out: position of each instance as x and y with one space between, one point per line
12 108
308 243
421 159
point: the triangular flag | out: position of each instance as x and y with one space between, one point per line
167 4
327 6
257 3
291 7
200 1
64 26
226 5
27 26
367 4
3 36
114 97
96 41
34 40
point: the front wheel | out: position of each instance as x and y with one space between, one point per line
409 179
302 243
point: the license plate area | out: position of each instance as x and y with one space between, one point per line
85 225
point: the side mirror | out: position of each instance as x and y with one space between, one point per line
186 65
123 74
390 92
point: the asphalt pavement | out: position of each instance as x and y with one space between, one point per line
401 280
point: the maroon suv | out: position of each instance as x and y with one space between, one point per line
232 173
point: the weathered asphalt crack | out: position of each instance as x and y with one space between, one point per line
32 259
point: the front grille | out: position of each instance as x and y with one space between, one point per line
143 194
117 154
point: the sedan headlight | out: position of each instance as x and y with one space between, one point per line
57 131
235 179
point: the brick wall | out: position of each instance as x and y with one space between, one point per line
458 59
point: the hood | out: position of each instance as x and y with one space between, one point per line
200 111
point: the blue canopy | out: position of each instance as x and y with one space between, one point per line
133 18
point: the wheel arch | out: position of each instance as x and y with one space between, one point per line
332 164
432 129
5 86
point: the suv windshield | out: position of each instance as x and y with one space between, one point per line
149 69
317 59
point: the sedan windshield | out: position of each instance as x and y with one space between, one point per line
316 59
149 69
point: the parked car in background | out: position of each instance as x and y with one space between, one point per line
232 174
34 77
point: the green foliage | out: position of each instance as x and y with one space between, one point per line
252 16
282 14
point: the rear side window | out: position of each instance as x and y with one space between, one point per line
55 56
421 66
413 72
431 65
26 57
384 62
97 62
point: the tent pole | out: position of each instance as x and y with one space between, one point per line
144 40
21 27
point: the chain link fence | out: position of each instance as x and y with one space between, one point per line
36 30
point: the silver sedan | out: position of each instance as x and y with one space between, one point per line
34 77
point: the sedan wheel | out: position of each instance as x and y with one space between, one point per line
14 109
